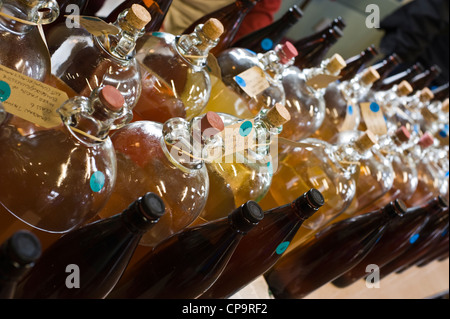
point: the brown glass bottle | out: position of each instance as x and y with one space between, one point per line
393 80
431 231
18 255
157 9
98 253
264 245
338 22
440 251
357 63
269 37
441 93
424 79
399 236
231 17
330 253
186 264
385 67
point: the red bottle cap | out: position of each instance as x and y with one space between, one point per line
403 134
111 98
426 140
212 120
289 52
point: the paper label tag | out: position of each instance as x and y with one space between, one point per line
321 81
30 99
253 81
374 118
96 26
213 66
350 120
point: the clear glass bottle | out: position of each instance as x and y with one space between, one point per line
67 172
236 94
175 81
186 264
331 169
100 250
81 61
166 159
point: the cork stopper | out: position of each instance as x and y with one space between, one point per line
289 52
426 95
138 16
336 64
366 141
404 88
213 29
278 115
111 98
426 140
403 134
212 122
445 106
370 76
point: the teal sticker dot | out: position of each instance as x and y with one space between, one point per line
270 168
414 238
445 232
5 91
97 181
240 81
374 107
246 128
350 110
92 18
267 44
158 34
282 247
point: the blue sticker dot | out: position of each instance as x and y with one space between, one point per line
252 52
443 134
414 238
97 181
374 107
246 128
445 232
282 247
270 168
267 44
158 34
416 128
446 174
5 91
240 81
350 110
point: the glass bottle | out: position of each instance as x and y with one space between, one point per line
157 9
424 79
67 7
392 80
261 248
305 101
330 253
166 160
400 234
186 264
441 93
22 47
385 67
241 175
342 112
67 172
175 82
312 53
18 255
250 82
81 61
331 169
231 16
439 251
103 250
357 63
267 38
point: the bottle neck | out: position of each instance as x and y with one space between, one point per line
274 63
16 10
135 219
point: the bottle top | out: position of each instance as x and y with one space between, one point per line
23 247
403 134
397 208
245 217
370 76
152 205
426 95
336 63
315 198
212 120
289 52
253 212
278 115
138 16
366 141
213 29
404 88
111 98
426 140
445 106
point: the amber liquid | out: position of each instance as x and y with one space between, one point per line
427 188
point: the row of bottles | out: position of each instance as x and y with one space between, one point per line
216 132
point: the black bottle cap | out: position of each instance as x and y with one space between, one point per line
315 198
443 202
153 205
24 247
399 208
252 212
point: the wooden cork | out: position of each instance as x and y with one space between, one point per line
370 76
366 141
336 64
278 115
138 16
111 98
213 29
445 107
426 95
404 88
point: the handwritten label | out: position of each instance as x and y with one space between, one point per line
96 26
30 99
252 81
374 118
321 81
